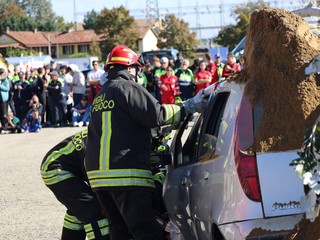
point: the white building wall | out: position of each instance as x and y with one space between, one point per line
149 42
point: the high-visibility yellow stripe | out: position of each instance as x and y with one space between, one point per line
105 231
108 142
120 173
105 141
59 176
72 226
103 222
117 182
91 236
69 148
89 231
172 113
121 59
88 227
102 141
72 223
169 113
72 218
103 226
159 177
54 173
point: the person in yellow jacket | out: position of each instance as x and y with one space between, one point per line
219 68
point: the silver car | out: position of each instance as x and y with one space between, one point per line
218 188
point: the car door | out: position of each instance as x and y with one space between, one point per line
206 176
187 190
177 183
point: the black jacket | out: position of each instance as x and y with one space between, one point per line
55 94
65 160
119 133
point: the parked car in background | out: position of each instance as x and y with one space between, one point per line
169 53
217 187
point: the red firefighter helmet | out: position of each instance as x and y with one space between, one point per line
123 55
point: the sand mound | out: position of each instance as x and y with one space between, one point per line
305 230
278 48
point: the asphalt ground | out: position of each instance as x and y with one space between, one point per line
28 209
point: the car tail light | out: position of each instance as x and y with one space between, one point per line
244 158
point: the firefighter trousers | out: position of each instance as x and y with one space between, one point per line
131 215
84 215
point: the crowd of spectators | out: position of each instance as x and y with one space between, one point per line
55 97
171 82
40 97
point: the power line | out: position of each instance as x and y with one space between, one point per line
212 9
153 11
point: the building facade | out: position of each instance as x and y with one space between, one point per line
70 43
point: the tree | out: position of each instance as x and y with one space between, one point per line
41 12
90 20
4 3
176 34
57 25
38 9
14 18
231 35
12 9
94 49
26 15
116 26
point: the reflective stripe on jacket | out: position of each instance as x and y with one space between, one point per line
185 78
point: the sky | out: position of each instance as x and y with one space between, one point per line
211 15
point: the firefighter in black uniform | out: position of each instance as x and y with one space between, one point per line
62 171
118 150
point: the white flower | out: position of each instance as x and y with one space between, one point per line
309 205
312 180
306 177
299 170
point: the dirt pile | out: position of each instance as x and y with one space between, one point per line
305 230
279 46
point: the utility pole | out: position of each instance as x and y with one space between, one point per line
198 21
49 45
179 10
75 15
152 12
57 39
57 49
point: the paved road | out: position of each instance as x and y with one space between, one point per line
28 210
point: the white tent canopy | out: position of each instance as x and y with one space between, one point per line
29 62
